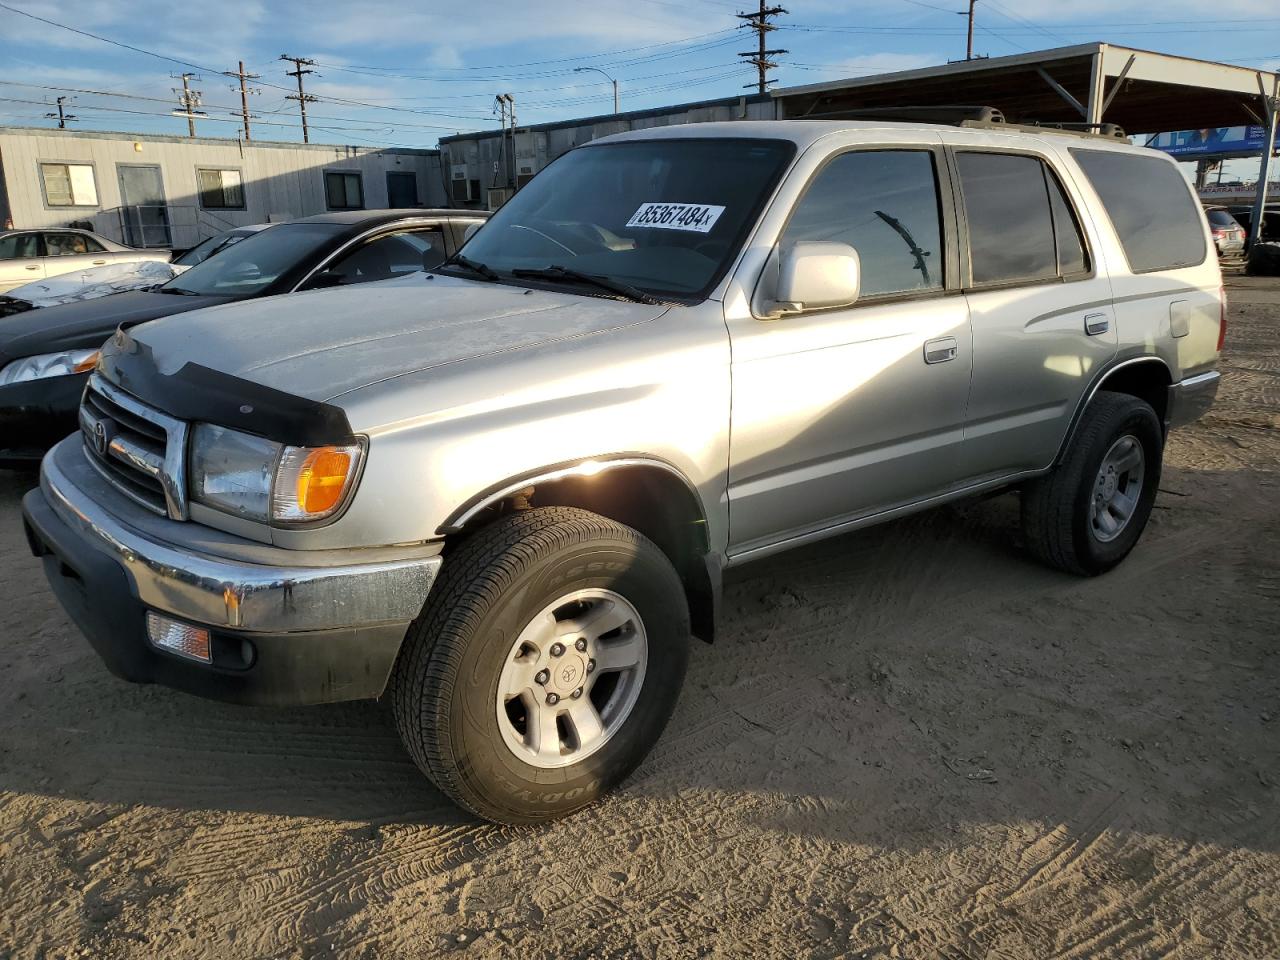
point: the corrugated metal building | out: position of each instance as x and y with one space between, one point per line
482 166
167 191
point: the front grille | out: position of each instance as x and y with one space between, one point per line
138 449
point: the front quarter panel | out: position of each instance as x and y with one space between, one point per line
437 439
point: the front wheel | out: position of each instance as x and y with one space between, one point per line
544 666
1087 514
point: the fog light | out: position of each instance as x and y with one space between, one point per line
180 638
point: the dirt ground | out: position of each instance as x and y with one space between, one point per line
908 742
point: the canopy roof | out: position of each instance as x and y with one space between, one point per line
1143 92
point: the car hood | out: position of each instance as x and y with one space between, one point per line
322 344
96 282
87 323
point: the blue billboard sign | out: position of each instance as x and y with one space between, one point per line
1211 142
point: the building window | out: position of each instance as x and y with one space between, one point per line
69 184
343 191
220 189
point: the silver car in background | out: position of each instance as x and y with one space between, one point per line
27 255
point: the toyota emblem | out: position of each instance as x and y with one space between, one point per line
101 437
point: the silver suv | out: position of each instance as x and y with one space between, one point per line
503 494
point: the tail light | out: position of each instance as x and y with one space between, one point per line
1222 317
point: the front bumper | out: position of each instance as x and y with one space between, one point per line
1190 399
36 414
287 627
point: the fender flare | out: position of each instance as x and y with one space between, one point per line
1099 379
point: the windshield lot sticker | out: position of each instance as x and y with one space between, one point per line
696 217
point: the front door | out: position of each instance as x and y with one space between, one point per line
146 217
20 260
843 413
1043 320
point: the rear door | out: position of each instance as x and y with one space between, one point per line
20 260
1039 301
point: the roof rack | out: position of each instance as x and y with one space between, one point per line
958 115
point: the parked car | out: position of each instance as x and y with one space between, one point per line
46 355
27 255
503 494
1228 235
112 278
1270 221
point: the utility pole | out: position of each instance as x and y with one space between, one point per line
968 50
244 95
302 98
61 116
188 100
505 105
759 22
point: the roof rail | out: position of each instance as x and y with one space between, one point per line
967 116
950 114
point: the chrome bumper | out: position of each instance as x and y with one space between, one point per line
1190 399
277 596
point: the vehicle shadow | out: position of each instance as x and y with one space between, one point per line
878 687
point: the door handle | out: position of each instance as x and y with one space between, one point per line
1096 323
98 263
34 267
940 350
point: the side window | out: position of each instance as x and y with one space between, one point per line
66 244
1072 257
392 255
343 191
1150 205
1010 223
884 204
19 246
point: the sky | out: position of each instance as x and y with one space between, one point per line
405 72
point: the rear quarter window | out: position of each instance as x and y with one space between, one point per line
1150 206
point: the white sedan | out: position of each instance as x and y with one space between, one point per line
27 255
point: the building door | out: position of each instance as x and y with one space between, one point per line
402 190
142 204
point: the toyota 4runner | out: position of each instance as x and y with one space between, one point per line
502 494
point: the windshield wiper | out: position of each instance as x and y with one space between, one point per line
474 266
176 291
557 272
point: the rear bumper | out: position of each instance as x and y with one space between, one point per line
1190 399
35 415
281 633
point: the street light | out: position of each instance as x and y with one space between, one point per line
607 77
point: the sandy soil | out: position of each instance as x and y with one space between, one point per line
911 742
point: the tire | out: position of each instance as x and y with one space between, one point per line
1058 510
470 639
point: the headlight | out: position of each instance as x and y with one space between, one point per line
269 482
49 365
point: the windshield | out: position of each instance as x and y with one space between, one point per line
249 267
207 248
663 216
1220 218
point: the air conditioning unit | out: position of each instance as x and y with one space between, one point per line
498 196
524 174
462 189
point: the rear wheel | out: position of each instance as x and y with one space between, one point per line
1087 514
544 666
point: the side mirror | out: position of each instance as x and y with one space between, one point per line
814 274
324 281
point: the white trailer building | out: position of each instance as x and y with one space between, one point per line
166 191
